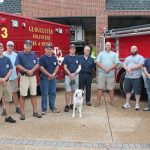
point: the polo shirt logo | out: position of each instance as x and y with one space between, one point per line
34 61
7 65
76 61
55 63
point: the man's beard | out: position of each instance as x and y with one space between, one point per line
133 53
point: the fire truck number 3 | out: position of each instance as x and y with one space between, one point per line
4 33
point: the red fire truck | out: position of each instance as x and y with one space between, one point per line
18 29
122 39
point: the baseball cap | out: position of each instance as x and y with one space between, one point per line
48 45
72 46
10 43
1 44
28 42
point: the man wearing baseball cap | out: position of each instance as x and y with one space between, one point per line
72 67
27 64
5 90
13 79
49 68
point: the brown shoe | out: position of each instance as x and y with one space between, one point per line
22 117
56 110
37 115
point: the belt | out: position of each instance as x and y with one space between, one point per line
24 74
86 73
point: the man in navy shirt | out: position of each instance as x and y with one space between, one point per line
26 62
49 68
85 75
5 72
147 73
72 67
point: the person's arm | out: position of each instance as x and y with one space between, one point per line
30 72
21 68
138 66
8 75
146 73
78 69
4 80
43 70
56 70
66 70
100 66
98 62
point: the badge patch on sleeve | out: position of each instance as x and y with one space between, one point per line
7 66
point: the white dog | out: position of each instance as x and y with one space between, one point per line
78 101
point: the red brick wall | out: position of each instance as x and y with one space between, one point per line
58 8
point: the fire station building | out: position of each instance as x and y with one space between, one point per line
87 18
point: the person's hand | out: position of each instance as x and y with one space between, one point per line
3 81
72 76
51 76
107 70
30 73
148 76
129 70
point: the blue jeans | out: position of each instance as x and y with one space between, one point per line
148 91
48 88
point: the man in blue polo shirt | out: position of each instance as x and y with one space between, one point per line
48 70
5 90
26 62
72 67
147 73
85 75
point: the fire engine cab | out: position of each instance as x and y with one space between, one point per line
122 39
18 29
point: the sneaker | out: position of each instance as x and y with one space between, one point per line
56 111
37 115
18 110
66 108
126 105
146 109
22 117
3 112
137 107
43 113
10 120
88 104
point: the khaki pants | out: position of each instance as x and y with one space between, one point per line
26 83
6 91
14 85
106 83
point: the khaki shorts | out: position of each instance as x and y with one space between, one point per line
26 83
6 91
70 87
14 85
106 83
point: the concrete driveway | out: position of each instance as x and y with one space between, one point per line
100 128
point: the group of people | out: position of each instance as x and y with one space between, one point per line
78 74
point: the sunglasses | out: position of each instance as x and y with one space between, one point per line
10 45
